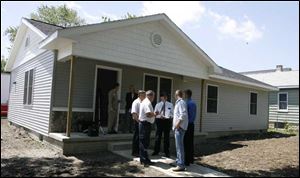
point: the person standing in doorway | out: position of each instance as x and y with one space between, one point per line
180 124
113 104
164 114
130 97
189 134
135 110
146 118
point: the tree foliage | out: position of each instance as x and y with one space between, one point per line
58 15
3 63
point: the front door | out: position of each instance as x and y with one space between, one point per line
106 79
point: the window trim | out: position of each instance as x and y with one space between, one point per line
26 105
213 85
287 102
158 85
250 103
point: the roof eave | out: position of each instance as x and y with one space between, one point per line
242 82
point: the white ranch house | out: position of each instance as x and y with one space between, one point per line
58 75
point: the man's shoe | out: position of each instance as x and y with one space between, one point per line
154 154
178 169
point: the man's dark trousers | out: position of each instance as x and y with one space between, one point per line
135 139
163 126
189 145
144 137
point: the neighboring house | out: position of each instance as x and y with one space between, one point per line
5 82
62 75
283 104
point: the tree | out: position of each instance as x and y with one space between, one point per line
127 16
11 31
3 63
60 15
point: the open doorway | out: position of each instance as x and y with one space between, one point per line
105 79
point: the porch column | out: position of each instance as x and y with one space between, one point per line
70 98
201 104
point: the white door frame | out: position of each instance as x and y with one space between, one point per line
119 79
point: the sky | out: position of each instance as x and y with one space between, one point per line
240 36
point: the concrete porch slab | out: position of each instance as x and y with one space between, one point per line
162 165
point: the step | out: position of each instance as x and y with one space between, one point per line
117 146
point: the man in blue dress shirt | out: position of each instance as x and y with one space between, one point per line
189 134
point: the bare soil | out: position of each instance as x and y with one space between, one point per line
21 156
268 154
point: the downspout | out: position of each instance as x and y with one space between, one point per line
70 98
201 104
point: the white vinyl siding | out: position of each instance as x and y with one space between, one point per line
29 48
131 45
233 110
36 117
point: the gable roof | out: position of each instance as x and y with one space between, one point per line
285 78
44 27
51 32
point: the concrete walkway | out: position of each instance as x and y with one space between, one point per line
162 165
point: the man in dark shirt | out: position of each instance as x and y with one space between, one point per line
130 97
189 135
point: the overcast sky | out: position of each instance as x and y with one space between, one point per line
240 36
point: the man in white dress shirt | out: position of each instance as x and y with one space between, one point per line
164 115
180 124
135 110
146 118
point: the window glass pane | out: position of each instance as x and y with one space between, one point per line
282 105
253 108
25 88
166 86
151 83
30 87
253 98
282 97
212 92
212 106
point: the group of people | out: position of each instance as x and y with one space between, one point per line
180 118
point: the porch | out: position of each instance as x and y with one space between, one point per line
76 108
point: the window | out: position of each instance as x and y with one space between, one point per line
283 101
212 99
28 85
253 103
27 42
158 84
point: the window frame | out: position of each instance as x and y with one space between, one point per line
218 96
278 102
251 103
26 100
158 85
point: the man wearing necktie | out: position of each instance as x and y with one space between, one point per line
164 115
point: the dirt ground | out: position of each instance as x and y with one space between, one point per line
270 154
21 156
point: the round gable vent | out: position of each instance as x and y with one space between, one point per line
156 39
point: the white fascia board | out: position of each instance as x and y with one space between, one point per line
16 45
44 44
265 87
